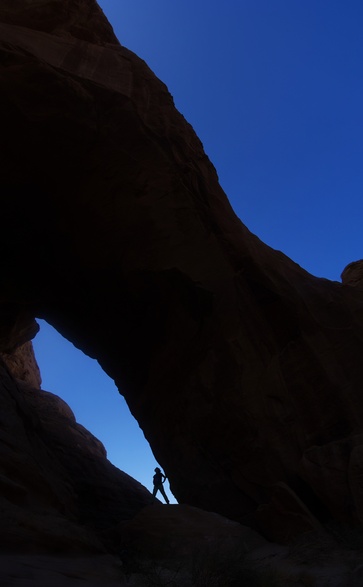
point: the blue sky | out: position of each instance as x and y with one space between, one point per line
274 90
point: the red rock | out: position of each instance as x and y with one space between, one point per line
183 533
58 491
353 274
23 366
242 369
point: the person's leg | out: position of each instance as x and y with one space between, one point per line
162 491
155 490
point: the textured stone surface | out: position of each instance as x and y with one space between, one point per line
24 570
353 274
76 19
243 370
23 365
181 533
104 494
58 492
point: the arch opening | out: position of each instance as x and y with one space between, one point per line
96 403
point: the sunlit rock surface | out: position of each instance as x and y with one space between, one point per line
243 370
23 365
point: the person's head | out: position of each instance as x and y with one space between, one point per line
157 470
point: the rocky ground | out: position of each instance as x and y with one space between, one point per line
175 551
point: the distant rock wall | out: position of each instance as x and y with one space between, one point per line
58 491
243 370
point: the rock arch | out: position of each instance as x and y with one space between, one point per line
243 370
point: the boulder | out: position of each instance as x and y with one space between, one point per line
181 534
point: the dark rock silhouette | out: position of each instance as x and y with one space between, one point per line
58 490
116 231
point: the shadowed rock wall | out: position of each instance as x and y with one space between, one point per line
58 491
243 370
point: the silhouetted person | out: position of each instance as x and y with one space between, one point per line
158 481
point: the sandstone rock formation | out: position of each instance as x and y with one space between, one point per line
195 533
58 491
353 274
243 370
22 365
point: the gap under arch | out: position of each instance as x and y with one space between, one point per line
96 403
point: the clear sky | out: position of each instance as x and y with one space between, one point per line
274 90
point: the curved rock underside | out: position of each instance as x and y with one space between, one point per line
243 370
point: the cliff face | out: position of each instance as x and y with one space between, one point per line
58 491
243 370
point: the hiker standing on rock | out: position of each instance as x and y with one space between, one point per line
158 481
